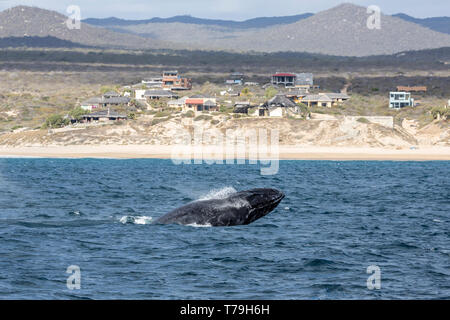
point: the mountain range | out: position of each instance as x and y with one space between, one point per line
262 22
439 24
341 31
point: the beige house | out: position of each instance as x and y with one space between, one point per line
317 100
327 99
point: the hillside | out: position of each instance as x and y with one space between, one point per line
25 21
338 31
342 31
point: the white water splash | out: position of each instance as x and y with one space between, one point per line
218 193
195 225
136 220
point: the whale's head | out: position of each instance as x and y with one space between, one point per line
260 201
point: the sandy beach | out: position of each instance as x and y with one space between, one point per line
283 152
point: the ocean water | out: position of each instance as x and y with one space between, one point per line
338 218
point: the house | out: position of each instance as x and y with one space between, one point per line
242 107
412 89
400 99
172 81
317 100
236 78
178 103
104 115
200 103
109 99
324 99
285 79
91 103
304 80
299 80
154 82
278 106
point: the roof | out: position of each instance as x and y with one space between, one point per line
333 95
209 103
298 92
103 100
414 88
111 94
178 101
194 101
115 100
94 100
159 93
242 103
280 100
283 75
317 97
201 96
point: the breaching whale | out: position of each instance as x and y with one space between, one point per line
240 208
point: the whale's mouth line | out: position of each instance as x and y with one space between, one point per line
272 202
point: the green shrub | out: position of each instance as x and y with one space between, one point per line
270 93
363 120
77 113
159 120
440 112
203 117
55 121
189 114
215 122
162 114
16 127
225 109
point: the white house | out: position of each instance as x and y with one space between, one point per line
399 100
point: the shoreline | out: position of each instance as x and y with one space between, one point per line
284 152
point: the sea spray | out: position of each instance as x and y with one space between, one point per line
136 220
218 193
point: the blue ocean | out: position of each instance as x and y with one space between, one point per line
338 223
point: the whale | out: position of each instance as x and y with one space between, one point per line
239 208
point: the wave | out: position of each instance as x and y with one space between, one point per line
218 193
136 220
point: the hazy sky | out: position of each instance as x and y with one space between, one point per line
226 9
